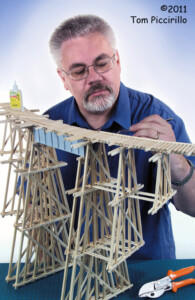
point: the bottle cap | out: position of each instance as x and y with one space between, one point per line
15 87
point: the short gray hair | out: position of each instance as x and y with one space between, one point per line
77 26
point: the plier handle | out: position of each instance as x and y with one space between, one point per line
156 288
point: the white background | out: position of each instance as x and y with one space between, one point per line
155 58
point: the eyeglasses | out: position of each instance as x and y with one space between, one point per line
101 66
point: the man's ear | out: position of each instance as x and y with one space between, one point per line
118 60
60 73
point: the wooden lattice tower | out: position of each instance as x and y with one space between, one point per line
108 228
43 226
15 146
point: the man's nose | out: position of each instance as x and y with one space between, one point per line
93 75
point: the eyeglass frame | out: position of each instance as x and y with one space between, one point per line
92 65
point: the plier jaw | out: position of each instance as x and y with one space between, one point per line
155 289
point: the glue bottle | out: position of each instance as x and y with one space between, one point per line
16 98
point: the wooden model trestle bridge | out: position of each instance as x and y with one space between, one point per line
109 225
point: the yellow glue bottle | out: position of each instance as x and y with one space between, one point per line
16 98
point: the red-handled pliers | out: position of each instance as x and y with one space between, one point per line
156 288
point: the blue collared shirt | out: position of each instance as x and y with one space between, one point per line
131 107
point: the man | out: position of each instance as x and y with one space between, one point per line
89 67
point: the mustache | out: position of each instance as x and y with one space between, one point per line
97 87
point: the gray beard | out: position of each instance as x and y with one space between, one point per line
99 104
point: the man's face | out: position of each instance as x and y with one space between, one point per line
97 92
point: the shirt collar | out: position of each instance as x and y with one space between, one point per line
122 111
121 114
75 117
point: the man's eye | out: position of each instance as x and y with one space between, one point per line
78 71
102 63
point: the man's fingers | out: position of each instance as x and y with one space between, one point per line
147 133
148 122
154 122
150 129
154 127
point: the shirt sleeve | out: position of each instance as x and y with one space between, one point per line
181 134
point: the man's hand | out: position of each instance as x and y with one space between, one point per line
154 127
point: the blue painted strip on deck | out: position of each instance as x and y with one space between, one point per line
53 140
